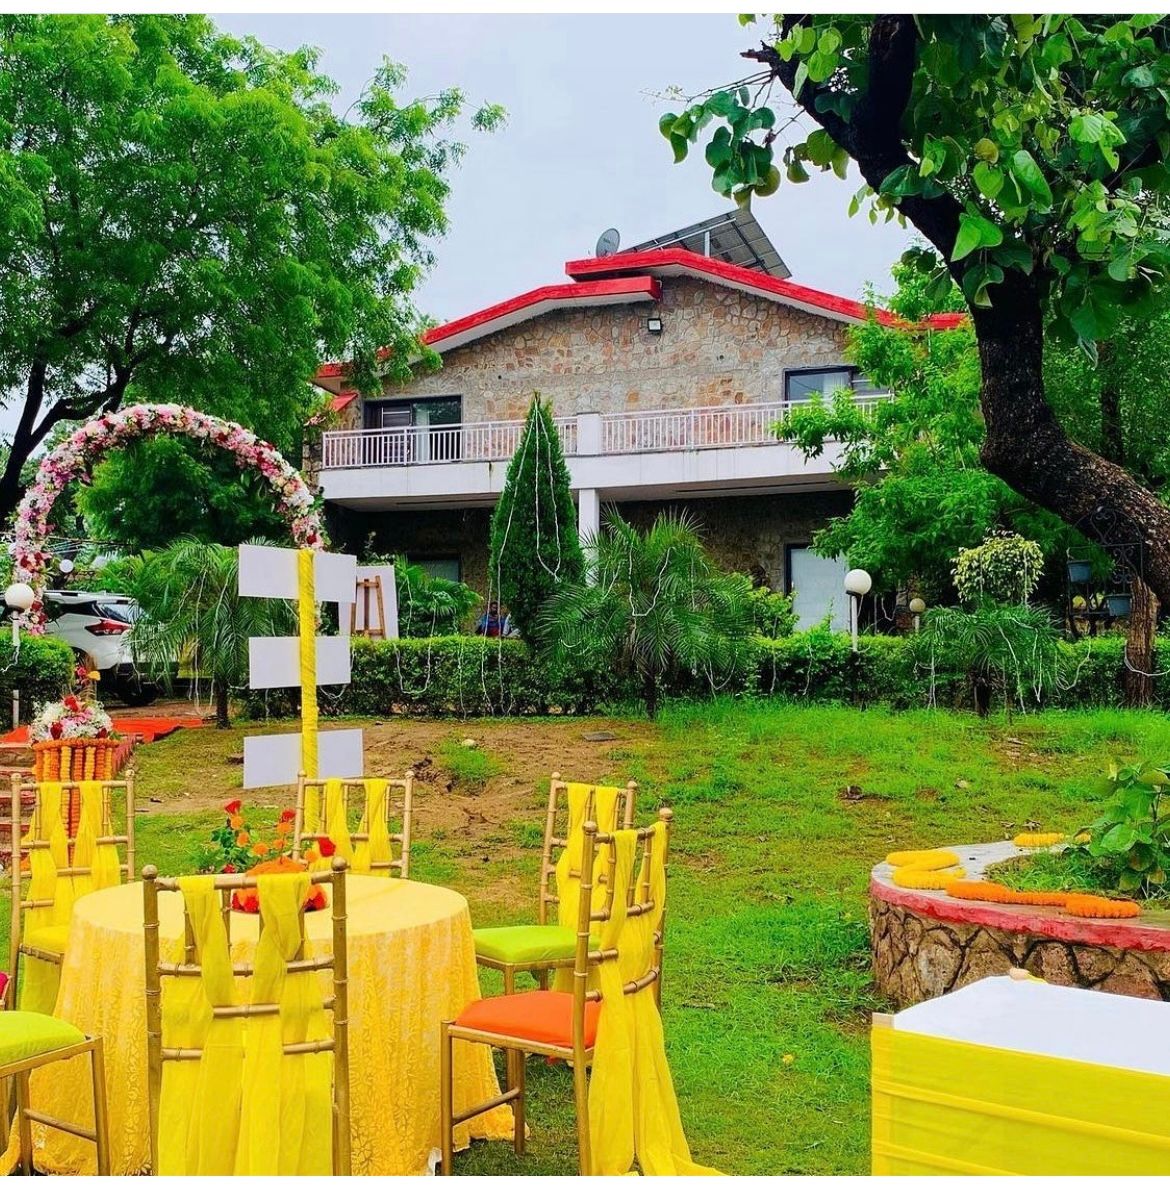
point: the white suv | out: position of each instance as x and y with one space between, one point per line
98 626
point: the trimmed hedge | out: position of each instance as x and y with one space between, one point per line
43 671
464 675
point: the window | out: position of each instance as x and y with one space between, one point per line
446 568
419 429
806 384
817 585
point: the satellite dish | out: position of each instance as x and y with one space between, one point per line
608 243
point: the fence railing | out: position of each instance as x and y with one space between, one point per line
660 431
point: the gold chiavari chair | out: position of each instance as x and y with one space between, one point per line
303 838
159 1053
556 1025
545 945
47 942
32 1040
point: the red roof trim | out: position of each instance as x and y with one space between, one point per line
678 259
554 295
606 281
341 402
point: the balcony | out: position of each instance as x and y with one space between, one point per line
634 453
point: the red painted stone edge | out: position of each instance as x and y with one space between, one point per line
1034 920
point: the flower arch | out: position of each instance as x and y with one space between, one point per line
76 457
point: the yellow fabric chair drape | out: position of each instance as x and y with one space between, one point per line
633 1110
286 1123
568 868
199 1109
40 979
375 850
332 821
246 1107
100 859
947 1107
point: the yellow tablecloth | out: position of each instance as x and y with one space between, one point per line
411 965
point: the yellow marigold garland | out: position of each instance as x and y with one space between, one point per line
1038 839
920 877
923 858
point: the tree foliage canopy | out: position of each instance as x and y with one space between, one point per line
186 214
1028 144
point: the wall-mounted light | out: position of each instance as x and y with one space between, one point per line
654 325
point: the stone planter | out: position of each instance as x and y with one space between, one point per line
925 943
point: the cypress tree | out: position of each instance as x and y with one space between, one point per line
534 542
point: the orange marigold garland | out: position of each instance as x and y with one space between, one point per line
1092 906
1081 905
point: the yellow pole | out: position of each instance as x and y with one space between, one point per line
307 612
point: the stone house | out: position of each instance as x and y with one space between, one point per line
666 366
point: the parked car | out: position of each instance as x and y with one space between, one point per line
99 626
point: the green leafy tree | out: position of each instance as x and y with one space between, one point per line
187 219
192 611
654 606
1029 151
534 542
154 491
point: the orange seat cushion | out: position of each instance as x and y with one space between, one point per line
535 1016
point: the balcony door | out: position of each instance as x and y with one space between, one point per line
414 431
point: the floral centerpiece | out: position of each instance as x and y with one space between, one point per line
236 847
73 740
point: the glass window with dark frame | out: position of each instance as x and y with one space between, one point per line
803 385
417 430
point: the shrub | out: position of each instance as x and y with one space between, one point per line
534 542
1004 569
428 605
42 672
774 614
655 607
1130 843
466 675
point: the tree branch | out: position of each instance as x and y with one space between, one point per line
872 135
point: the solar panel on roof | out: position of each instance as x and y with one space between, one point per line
734 237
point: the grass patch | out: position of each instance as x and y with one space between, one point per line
781 810
469 766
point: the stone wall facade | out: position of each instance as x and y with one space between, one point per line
717 346
916 958
742 534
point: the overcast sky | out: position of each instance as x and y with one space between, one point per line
581 151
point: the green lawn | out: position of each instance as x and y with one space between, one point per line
767 990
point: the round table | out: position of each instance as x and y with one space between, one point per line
411 966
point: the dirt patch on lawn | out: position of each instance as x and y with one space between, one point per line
199 769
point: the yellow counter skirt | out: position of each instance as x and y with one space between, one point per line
948 1107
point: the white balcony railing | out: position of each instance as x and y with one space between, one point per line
660 431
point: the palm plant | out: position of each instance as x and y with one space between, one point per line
653 606
192 610
1010 649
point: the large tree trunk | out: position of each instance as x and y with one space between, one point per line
1029 450
1139 645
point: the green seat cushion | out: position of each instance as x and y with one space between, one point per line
25 1035
50 939
526 945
